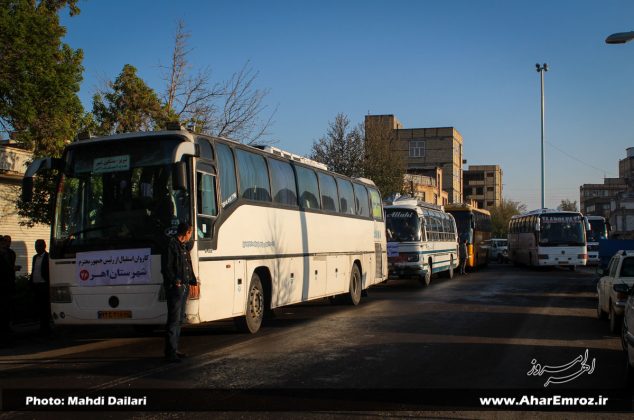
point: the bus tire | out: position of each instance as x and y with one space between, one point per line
425 280
252 320
573 268
354 291
450 271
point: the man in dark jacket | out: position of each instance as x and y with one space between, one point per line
178 275
7 288
40 284
464 254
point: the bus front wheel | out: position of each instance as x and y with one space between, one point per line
252 320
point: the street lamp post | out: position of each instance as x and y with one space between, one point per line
541 69
620 38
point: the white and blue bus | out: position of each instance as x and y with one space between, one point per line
270 229
421 239
548 237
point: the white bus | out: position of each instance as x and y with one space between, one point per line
598 230
271 229
548 237
421 240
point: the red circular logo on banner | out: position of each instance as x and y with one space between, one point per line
84 274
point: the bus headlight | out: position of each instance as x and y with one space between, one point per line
542 256
61 294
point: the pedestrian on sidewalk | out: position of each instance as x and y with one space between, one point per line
39 281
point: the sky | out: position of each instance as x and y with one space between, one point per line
469 64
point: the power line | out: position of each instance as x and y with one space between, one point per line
579 160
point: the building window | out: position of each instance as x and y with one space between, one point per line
490 175
489 203
489 188
417 148
479 191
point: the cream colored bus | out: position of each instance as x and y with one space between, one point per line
271 229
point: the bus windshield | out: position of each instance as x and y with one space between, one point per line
402 225
561 229
464 225
598 230
116 195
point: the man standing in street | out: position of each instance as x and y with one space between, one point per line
178 275
464 254
7 288
40 284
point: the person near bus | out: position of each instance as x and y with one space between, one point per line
40 285
178 275
463 254
7 288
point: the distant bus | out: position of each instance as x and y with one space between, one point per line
474 225
421 240
599 229
270 229
548 237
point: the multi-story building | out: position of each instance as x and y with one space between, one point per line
483 183
13 162
425 149
595 199
426 187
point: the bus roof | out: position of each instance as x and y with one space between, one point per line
540 212
465 207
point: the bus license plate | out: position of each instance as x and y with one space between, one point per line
114 314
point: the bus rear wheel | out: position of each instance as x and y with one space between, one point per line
354 292
252 320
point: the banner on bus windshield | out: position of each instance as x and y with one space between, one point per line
561 219
116 267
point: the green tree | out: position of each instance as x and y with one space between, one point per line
39 80
501 215
128 104
382 162
568 205
341 148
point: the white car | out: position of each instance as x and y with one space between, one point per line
611 293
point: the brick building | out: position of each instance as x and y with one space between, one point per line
483 184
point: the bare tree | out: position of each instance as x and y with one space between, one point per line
383 162
341 148
189 98
229 109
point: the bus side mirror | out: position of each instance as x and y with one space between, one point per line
179 176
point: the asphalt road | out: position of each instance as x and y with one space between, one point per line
485 330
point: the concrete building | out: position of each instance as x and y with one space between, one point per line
426 187
596 199
13 161
483 184
426 149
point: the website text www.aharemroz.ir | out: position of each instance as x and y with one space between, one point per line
553 401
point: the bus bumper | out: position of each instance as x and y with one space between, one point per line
398 271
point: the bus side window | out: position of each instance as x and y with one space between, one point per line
227 174
206 207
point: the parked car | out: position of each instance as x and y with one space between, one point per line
627 333
498 249
613 286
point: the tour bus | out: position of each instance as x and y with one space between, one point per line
421 240
270 229
474 225
547 237
599 229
